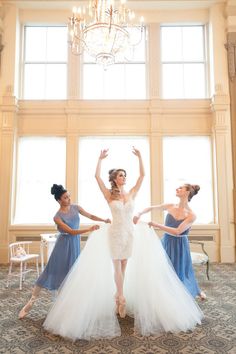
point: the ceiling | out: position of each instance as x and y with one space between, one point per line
134 4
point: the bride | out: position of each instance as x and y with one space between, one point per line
103 283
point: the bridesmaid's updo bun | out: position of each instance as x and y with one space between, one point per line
193 189
115 192
58 190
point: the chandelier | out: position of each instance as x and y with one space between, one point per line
105 31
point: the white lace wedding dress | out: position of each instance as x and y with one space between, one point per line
155 297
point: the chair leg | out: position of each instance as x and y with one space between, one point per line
24 271
207 270
9 274
37 266
21 275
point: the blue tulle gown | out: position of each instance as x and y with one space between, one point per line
177 248
64 254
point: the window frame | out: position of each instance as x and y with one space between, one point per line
23 62
204 62
15 181
212 176
125 63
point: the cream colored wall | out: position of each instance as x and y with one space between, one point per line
231 29
154 118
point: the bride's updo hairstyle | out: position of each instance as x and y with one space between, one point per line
115 192
58 190
193 189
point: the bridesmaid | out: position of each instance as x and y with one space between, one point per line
67 247
178 222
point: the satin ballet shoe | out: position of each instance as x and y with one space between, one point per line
26 309
122 307
117 304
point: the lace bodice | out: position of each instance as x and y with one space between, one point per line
121 229
122 213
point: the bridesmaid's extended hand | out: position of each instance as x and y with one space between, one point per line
103 154
136 219
107 221
151 224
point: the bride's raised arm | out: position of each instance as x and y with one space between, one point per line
138 184
105 191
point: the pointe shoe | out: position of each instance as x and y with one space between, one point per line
202 296
117 304
122 307
26 309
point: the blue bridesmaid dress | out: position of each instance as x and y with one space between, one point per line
64 254
177 248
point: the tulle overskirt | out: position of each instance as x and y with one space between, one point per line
155 297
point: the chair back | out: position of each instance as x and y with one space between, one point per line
19 249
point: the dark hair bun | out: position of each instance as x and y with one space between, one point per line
57 190
196 188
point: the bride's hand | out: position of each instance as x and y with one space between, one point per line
136 219
136 152
103 154
94 227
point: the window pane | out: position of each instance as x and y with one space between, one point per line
172 81
56 84
93 81
44 81
45 62
183 62
57 44
35 44
41 162
34 81
120 156
122 80
171 44
137 52
193 49
194 80
114 82
188 160
134 89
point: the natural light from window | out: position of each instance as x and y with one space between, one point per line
188 159
41 162
45 62
122 80
183 62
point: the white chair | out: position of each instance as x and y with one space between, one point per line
48 241
19 254
200 257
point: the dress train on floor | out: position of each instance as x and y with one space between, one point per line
85 307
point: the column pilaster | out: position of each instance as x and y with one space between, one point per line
222 137
8 130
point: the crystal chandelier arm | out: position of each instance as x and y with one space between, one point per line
102 30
